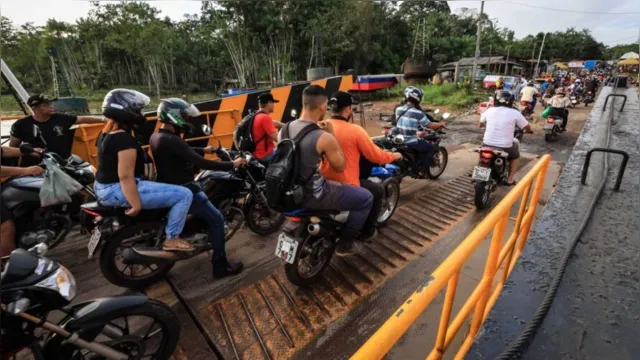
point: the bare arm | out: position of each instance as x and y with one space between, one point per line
328 146
10 152
20 171
126 168
435 125
89 120
14 142
274 135
278 125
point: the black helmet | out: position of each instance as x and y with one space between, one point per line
176 112
124 106
503 98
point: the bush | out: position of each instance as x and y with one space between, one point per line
193 88
450 95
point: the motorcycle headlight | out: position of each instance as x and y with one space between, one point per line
61 281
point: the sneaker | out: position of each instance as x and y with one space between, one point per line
223 268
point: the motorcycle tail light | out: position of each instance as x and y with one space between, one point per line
486 155
550 121
91 212
484 161
294 219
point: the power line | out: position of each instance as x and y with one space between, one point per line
573 11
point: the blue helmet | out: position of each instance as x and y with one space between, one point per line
414 94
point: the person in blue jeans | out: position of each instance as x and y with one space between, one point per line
409 117
119 180
176 163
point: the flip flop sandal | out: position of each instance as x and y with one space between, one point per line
512 184
173 248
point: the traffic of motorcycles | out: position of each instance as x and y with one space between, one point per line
131 255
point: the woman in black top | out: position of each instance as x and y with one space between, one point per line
121 168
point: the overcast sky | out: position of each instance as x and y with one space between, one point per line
609 29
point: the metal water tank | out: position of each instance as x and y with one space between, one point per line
419 69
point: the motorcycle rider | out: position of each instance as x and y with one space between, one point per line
559 104
121 160
500 122
355 142
528 95
410 116
8 227
54 128
319 193
175 162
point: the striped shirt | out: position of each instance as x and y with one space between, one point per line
409 118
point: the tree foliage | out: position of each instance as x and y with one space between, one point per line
129 43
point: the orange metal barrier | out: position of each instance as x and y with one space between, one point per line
447 274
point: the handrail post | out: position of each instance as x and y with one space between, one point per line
489 272
446 314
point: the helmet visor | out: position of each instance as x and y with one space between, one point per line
191 112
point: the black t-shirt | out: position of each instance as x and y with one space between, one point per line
109 145
55 131
176 161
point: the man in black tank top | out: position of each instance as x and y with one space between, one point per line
321 194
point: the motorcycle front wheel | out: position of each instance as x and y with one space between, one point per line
260 218
126 275
390 203
314 255
147 331
482 194
438 163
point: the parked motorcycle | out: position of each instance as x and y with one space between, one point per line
121 327
409 162
492 170
552 128
51 224
307 243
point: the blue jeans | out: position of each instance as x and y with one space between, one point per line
426 151
153 195
203 208
336 196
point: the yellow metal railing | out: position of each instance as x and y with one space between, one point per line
447 275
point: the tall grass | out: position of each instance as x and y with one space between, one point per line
449 95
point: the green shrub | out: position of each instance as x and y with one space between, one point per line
450 95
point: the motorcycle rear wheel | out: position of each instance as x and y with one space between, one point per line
113 249
439 163
261 219
316 258
482 195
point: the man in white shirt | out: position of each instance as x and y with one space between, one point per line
559 104
500 122
528 94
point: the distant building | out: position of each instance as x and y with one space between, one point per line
486 65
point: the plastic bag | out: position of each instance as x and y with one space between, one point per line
546 112
57 186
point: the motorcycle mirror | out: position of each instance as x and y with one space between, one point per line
446 116
294 113
206 129
436 111
19 306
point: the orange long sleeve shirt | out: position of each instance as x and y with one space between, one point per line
354 141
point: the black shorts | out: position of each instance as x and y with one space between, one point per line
513 151
6 215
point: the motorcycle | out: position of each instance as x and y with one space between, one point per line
307 242
552 127
47 225
34 287
492 169
588 98
526 109
409 162
389 177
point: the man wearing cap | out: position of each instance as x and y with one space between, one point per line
265 130
54 128
354 142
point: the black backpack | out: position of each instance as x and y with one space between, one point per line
284 185
243 134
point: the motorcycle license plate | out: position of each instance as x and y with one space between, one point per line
93 242
481 173
286 248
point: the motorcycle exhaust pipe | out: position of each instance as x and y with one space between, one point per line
147 256
313 229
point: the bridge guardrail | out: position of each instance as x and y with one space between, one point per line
500 256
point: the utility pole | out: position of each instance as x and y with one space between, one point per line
506 63
639 53
540 54
533 52
477 54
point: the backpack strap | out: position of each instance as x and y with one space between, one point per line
296 140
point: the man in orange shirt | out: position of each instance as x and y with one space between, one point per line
354 142
265 130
